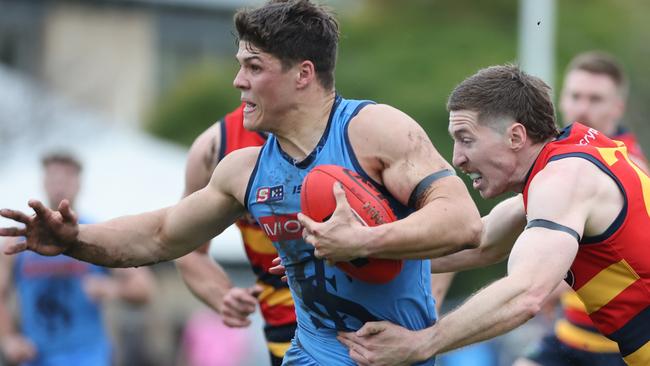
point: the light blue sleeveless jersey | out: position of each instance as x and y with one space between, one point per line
327 299
65 325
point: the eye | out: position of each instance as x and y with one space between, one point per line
255 68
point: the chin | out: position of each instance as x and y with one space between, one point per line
492 193
250 124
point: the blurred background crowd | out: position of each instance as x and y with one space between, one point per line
126 85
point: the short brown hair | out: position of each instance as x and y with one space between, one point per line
599 62
293 31
506 91
61 157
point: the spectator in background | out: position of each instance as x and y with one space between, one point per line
60 298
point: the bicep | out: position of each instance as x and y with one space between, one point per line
562 194
542 256
208 211
395 150
201 216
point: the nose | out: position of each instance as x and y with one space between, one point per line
240 81
458 157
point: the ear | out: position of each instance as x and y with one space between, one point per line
517 136
306 74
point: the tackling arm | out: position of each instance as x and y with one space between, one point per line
501 227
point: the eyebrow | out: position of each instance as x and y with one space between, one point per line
457 132
249 58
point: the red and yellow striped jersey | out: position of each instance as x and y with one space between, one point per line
611 271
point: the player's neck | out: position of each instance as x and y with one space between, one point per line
304 125
527 159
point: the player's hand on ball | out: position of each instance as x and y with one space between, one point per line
341 237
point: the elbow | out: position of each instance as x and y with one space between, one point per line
469 234
531 302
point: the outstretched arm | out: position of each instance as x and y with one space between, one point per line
396 152
501 227
146 238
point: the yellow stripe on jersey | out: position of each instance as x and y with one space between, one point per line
278 349
272 296
640 357
609 155
571 300
604 286
257 240
584 339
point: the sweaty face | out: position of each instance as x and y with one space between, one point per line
61 182
591 99
482 153
265 87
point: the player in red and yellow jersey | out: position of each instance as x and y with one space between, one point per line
206 279
582 218
594 92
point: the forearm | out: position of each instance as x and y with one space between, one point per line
441 227
500 307
205 279
440 284
126 241
464 260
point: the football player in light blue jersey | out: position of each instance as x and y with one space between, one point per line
60 297
287 52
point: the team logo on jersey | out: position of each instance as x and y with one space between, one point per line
282 227
270 194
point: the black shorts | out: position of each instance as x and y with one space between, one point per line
550 351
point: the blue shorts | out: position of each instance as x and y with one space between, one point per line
550 351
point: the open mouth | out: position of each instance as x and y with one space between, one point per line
250 107
477 178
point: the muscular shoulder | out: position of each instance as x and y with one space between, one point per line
382 121
566 190
572 176
233 172
393 149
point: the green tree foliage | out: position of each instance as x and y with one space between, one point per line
201 97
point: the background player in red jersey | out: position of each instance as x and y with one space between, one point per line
205 278
594 93
586 209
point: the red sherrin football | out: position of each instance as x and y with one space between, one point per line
317 201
